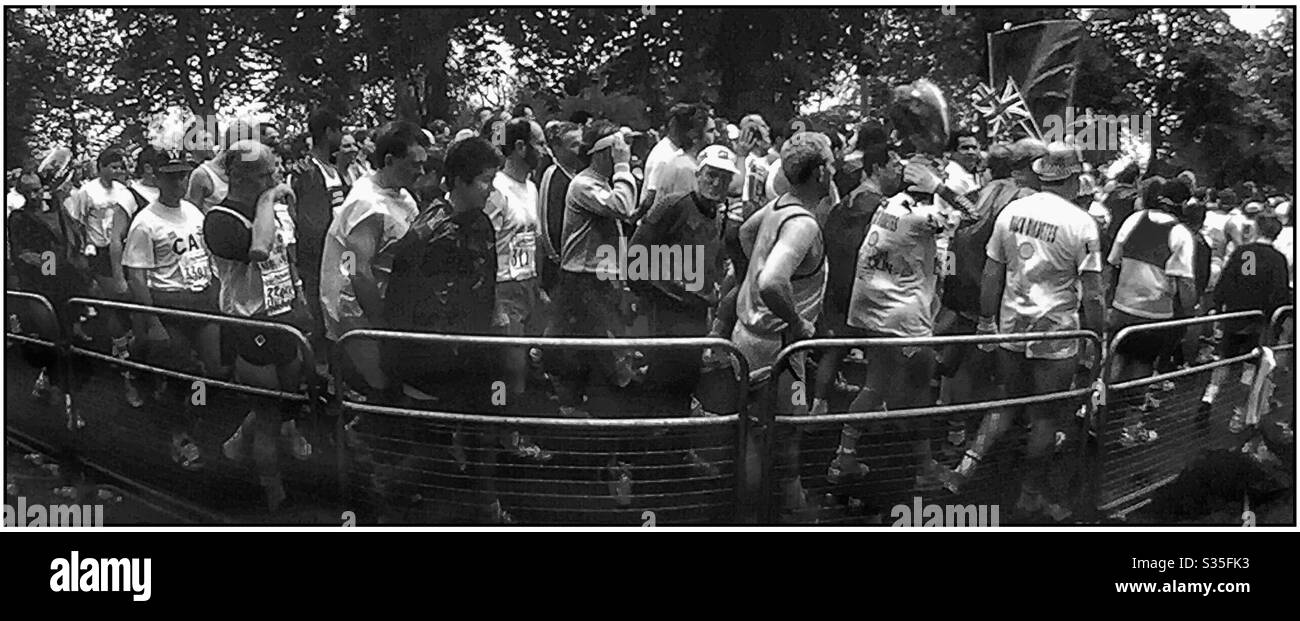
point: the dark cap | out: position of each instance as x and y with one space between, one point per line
173 161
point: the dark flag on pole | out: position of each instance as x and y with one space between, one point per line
1041 59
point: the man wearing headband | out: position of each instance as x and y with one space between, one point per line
601 197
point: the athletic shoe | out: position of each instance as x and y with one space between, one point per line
298 445
41 388
235 448
620 482
457 450
1237 423
497 515
1030 501
133 397
845 468
569 411
699 465
1058 513
930 476
1149 403
521 446
186 453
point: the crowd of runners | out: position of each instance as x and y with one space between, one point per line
505 228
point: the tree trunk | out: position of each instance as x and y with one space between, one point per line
437 105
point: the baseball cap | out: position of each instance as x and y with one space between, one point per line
173 161
1060 163
719 157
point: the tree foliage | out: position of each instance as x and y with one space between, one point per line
1221 98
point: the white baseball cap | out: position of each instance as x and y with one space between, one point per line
719 157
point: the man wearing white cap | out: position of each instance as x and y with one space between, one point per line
679 298
1042 249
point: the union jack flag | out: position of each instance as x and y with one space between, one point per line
1001 111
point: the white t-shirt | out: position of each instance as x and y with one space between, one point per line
149 193
1046 243
396 210
1143 288
168 243
95 206
512 208
662 153
897 269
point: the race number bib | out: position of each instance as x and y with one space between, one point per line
277 283
523 246
196 270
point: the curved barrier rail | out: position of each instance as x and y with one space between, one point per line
49 318
427 463
897 445
1153 427
420 462
304 347
177 397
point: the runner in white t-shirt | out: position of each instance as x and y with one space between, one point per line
670 167
1043 273
104 207
893 295
376 213
167 265
512 208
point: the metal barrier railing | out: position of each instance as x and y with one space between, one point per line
1276 324
1153 427
431 465
42 303
304 348
140 440
813 439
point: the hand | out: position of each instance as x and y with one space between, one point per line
987 326
620 151
921 177
745 146
120 287
804 330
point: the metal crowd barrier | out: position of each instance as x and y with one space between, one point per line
44 304
48 423
810 441
136 443
430 465
1131 469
